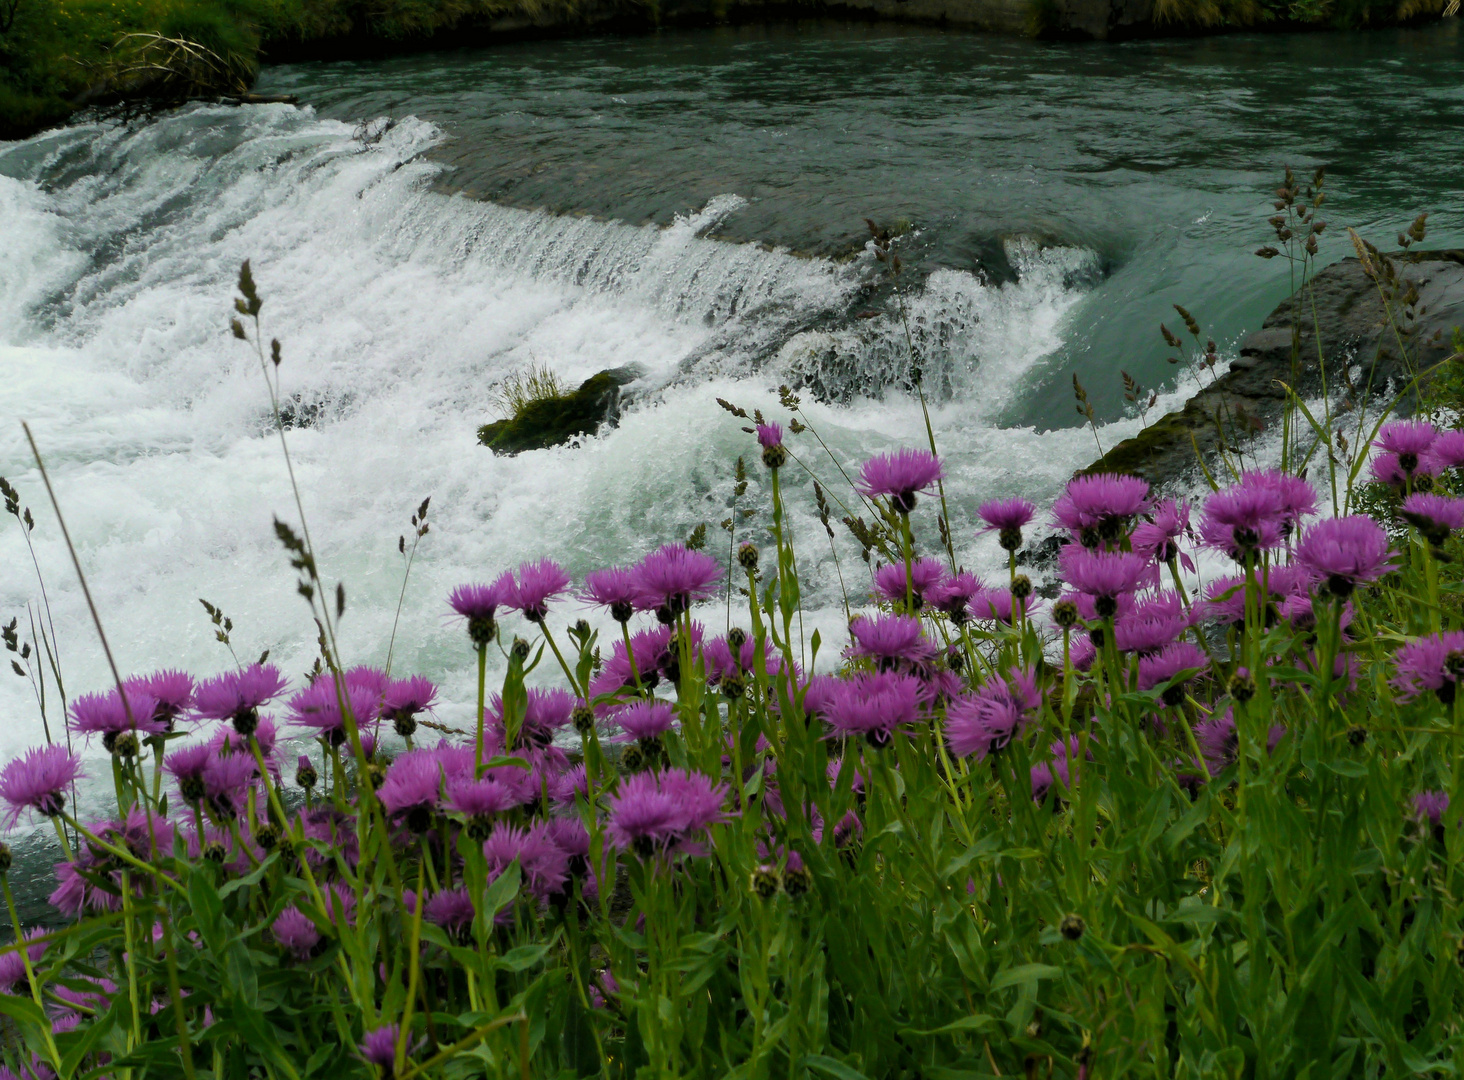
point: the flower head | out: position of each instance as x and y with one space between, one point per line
1150 624
451 909
769 435
987 721
237 696
900 476
926 578
669 579
1430 806
890 639
1435 516
538 583
295 933
170 690
874 705
659 812
1158 537
1171 661
956 594
1104 575
318 708
645 719
478 603
1007 518
1431 663
615 588
37 780
1345 552
544 866
379 1046
187 765
12 967
108 715
412 788
1409 440
1446 452
1245 518
1096 508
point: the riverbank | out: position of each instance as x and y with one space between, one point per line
57 59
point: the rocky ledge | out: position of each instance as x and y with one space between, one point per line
1353 329
550 421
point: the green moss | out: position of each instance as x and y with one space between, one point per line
549 421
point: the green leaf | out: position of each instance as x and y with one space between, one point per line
83 1045
974 1022
208 910
832 1067
318 1059
239 967
501 893
523 956
251 878
1024 973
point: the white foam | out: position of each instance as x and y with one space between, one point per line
400 309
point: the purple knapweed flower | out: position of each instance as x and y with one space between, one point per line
404 699
478 603
545 713
1430 664
482 799
538 583
186 764
1447 452
899 476
1169 662
926 578
412 788
1104 575
571 837
1408 440
1042 773
1345 552
545 868
227 779
657 813
1158 535
1296 497
379 1047
614 588
1430 807
318 710
769 435
1244 519
998 605
987 721
573 782
1150 624
237 696
37 780
889 639
12 967
874 705
295 933
671 578
645 719
171 691
1097 508
1007 518
106 714
955 596
1435 516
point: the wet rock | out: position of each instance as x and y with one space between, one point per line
1356 337
551 421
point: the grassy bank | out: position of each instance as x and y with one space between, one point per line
59 55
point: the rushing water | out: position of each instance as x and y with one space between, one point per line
689 202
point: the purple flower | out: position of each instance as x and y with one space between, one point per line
654 813
107 714
645 719
1430 806
187 764
379 1046
1447 452
481 799
987 721
1150 624
1104 575
1296 497
403 699
295 933
545 868
1345 552
900 476
1169 662
12 967
1245 518
545 712
1158 537
889 639
37 780
769 435
317 708
1218 741
1042 773
926 577
1007 517
1432 663
412 788
1409 441
874 705
171 692
1097 508
451 909
479 603
227 779
237 696
538 583
955 595
1435 516
997 605
669 579
615 588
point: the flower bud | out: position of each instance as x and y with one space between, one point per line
305 775
1072 927
1065 614
733 684
747 557
520 649
632 759
214 852
1021 587
267 837
5 857
797 880
1242 686
1010 538
766 881
1356 735
583 718
737 637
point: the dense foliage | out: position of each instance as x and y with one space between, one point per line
1134 830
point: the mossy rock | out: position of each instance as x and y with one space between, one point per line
552 421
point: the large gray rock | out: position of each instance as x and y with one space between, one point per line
1357 338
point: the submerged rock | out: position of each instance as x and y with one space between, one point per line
1357 338
551 421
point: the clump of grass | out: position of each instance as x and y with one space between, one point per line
523 388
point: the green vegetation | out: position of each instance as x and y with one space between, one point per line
542 413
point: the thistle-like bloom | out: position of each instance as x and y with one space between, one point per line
187 765
614 588
1447 452
545 713
1158 537
769 435
451 909
956 595
1408 440
670 579
482 799
1345 552
1171 661
37 780
295 933
479 603
1296 497
1007 518
1104 575
1430 806
653 813
379 1047
1042 773
1245 518
538 583
317 708
412 788
1435 516
1430 664
404 699
900 476
12 967
237 696
545 868
106 714
1218 740
926 579
645 719
171 691
988 721
1098 507
889 639
1151 624
227 779
874 706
